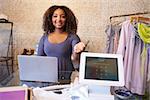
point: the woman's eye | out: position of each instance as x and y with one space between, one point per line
55 16
63 16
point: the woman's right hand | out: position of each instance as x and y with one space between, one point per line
79 47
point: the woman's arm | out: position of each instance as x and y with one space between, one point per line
78 48
40 51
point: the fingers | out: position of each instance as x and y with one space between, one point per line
79 47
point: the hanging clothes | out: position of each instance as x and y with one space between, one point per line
144 33
113 34
148 60
131 46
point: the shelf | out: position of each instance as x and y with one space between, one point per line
8 58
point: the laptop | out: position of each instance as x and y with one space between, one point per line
38 68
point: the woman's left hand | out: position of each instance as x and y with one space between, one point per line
79 47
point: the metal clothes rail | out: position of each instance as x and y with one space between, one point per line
139 13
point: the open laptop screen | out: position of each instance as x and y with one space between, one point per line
38 68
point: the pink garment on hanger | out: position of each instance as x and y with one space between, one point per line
134 81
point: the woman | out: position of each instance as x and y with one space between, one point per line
60 39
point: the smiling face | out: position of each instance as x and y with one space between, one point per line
58 18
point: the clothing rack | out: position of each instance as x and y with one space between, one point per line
139 13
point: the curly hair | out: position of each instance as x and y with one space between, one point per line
70 24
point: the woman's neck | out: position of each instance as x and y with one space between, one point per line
59 31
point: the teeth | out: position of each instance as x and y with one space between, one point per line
59 24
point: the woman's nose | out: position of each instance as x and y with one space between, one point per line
58 18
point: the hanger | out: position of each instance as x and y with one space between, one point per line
139 19
116 23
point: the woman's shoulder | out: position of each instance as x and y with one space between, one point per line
73 36
43 37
